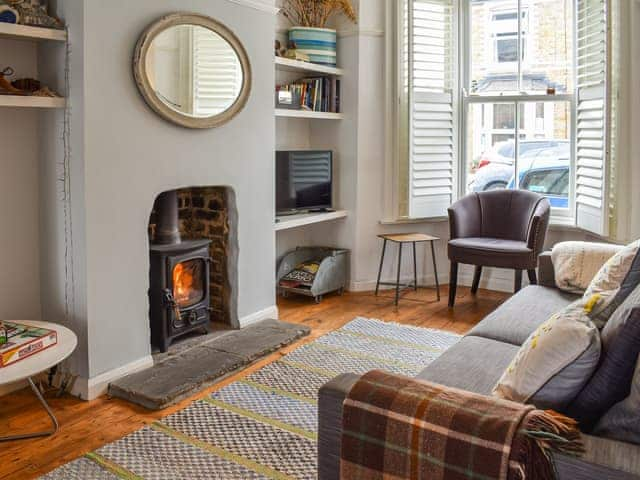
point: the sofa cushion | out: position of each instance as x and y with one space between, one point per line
603 459
622 421
620 317
608 281
474 364
516 318
576 263
555 362
612 381
627 290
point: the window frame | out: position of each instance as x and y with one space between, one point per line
559 215
521 41
394 192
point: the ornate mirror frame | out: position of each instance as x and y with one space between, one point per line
142 79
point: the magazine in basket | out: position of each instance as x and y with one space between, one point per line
22 341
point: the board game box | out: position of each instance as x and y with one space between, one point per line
22 341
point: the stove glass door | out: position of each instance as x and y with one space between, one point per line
189 283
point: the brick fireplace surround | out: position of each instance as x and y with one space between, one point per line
204 213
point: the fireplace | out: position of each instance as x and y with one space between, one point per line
179 292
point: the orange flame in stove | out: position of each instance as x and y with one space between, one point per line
183 281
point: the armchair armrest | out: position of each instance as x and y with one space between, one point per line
330 399
546 273
538 226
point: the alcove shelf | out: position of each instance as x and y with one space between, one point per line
287 222
25 32
19 101
283 112
289 65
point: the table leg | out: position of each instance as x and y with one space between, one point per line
384 247
435 268
398 276
415 269
47 433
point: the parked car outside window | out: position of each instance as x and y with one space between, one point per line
504 152
547 175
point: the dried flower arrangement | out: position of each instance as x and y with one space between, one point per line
316 13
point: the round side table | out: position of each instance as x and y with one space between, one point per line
38 363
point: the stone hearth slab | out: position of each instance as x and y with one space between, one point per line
181 375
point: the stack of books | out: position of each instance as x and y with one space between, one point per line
319 94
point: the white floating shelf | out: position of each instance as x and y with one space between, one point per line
24 32
31 102
289 65
293 221
283 112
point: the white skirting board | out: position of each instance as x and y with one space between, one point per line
499 280
92 388
268 313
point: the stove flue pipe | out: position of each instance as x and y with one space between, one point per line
167 231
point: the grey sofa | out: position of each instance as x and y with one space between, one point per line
475 364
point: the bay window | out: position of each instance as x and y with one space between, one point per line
504 94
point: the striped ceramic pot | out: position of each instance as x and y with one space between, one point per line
318 43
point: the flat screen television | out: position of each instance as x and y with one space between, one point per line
303 180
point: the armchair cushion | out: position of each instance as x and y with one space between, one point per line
492 252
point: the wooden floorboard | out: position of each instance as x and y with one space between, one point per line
86 426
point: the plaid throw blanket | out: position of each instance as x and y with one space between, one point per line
402 428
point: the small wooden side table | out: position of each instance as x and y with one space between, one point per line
38 363
401 239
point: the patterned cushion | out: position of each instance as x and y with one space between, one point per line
612 381
622 421
576 263
607 282
629 284
555 362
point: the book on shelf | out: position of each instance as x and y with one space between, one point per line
318 94
21 341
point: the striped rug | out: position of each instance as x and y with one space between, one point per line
265 425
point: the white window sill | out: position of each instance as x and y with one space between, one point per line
411 221
562 222
556 222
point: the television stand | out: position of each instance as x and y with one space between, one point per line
285 222
321 210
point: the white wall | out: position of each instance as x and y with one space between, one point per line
125 155
632 60
20 272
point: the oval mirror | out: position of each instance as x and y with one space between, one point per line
192 70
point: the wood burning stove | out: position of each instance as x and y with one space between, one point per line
179 279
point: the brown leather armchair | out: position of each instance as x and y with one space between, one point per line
499 228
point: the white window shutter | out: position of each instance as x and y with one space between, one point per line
593 117
217 74
432 107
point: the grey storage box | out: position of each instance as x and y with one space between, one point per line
331 275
